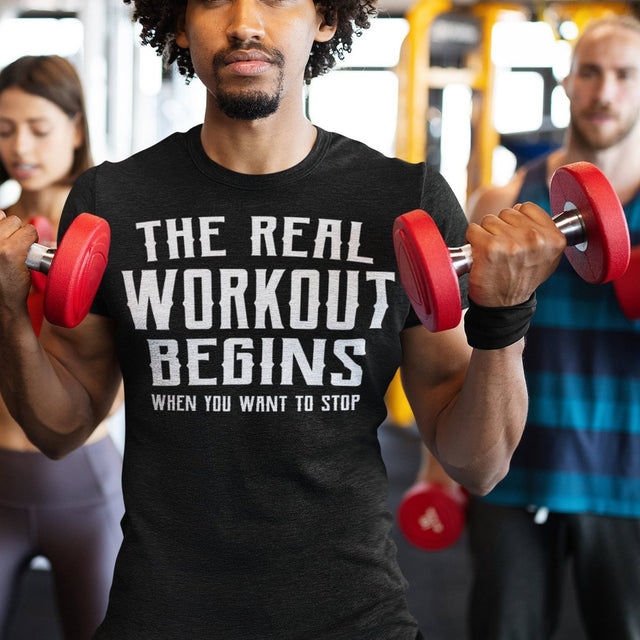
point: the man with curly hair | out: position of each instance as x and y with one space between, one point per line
347 18
253 308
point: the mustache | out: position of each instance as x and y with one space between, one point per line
600 109
274 56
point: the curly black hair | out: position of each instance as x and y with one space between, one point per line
159 19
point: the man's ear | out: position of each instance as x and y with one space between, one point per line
326 31
181 35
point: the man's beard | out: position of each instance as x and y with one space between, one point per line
250 104
594 140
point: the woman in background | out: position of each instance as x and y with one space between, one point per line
66 510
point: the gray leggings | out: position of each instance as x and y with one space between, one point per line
520 566
69 511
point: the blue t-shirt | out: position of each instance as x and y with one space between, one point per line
580 451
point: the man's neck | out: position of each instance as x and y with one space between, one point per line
266 145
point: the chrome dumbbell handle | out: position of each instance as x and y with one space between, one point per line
570 222
39 258
461 258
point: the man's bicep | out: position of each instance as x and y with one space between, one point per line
87 352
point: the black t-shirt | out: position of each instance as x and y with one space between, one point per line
257 323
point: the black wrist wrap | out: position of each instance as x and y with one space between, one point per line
497 327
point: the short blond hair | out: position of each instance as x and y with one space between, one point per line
622 20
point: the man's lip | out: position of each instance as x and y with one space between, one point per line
600 115
246 56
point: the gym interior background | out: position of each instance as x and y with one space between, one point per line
433 80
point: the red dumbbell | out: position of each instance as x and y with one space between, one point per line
627 287
432 516
74 270
585 208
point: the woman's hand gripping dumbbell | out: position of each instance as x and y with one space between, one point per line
584 207
74 270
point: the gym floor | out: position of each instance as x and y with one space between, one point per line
438 581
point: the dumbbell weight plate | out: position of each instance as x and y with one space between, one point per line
76 270
426 271
431 516
584 187
46 237
627 287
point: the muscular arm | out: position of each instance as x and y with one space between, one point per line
60 386
470 405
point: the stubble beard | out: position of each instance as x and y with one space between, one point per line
596 140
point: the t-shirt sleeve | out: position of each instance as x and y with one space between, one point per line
81 200
441 203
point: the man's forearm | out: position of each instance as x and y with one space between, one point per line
50 405
478 432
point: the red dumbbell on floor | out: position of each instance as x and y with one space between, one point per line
584 207
432 516
74 270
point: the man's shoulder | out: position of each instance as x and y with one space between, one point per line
162 153
491 199
349 152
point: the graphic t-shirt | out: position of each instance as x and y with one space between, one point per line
257 325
